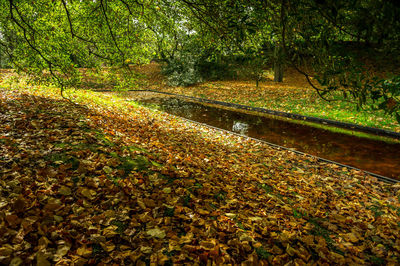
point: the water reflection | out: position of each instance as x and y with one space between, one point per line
374 156
240 127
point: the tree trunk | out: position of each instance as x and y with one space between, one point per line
278 71
278 64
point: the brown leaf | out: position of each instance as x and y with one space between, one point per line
65 191
13 220
6 250
84 251
19 204
108 246
110 231
351 237
88 193
41 260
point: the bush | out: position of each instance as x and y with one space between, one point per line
189 67
182 70
216 70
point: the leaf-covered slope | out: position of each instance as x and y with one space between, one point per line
129 185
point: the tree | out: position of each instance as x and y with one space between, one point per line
322 32
314 36
55 38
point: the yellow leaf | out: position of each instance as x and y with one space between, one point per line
110 231
109 246
41 260
351 237
84 251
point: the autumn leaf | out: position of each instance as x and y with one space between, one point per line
213 198
156 232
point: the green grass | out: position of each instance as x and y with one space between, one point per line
340 110
306 102
312 124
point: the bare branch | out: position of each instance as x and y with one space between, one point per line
22 18
73 34
308 77
49 63
109 28
200 15
128 7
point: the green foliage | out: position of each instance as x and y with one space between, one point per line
213 69
183 70
386 95
379 94
4 60
252 64
190 67
116 78
51 40
198 40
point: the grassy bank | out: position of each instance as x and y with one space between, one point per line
293 95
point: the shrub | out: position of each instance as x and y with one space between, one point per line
190 66
182 70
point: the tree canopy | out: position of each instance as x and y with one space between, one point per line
337 45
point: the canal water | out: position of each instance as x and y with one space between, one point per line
371 155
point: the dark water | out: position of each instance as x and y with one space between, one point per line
371 155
